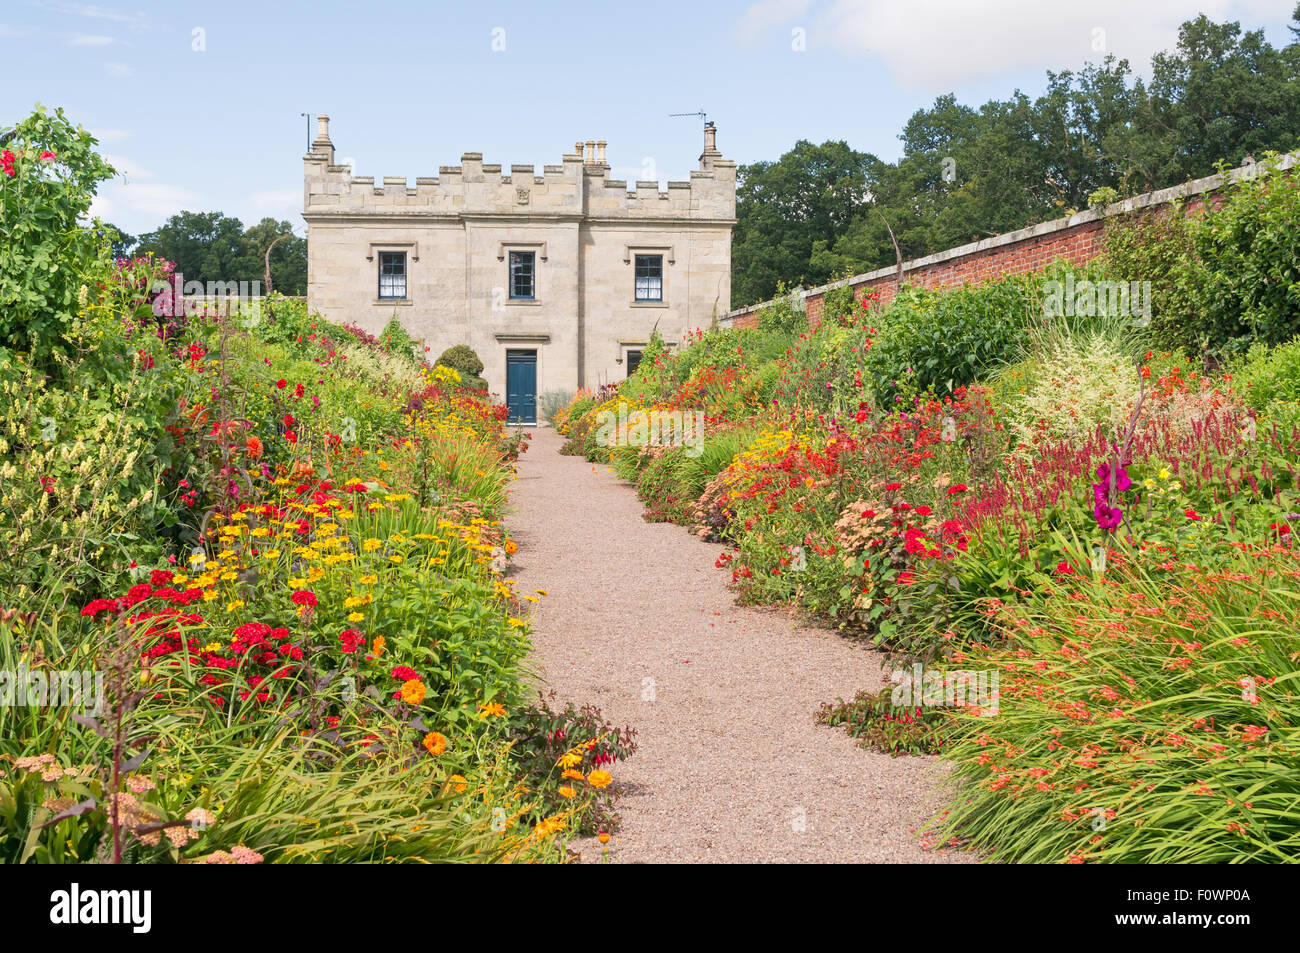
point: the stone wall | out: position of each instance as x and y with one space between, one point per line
585 228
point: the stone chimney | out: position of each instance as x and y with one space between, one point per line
600 151
710 152
577 149
321 144
591 152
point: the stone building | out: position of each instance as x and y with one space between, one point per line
556 280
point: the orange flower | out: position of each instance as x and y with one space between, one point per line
377 649
254 446
511 548
599 779
413 691
487 711
460 783
603 837
434 742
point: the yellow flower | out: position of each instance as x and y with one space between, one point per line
369 580
567 791
413 692
356 616
571 775
494 708
569 760
371 545
599 778
541 592
234 604
230 576
395 559
1165 474
271 554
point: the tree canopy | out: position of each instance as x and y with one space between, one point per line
211 246
967 173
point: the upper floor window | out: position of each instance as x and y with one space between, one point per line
649 277
523 274
392 274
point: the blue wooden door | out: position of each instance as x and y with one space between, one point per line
521 386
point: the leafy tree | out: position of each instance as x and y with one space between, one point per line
213 247
783 208
967 173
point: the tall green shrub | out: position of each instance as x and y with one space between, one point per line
48 174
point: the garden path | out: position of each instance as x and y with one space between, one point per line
730 765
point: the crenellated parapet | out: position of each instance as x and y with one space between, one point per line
579 186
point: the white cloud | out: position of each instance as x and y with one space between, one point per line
117 70
88 39
937 45
105 136
141 206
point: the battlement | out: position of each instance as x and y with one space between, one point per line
578 187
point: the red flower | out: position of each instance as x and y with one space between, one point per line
1063 568
923 511
304 597
957 488
160 577
894 486
282 383
404 673
906 578
1191 514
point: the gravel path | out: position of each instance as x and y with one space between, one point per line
730 766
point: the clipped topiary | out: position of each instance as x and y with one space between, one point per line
461 357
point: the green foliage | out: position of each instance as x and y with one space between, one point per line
214 247
47 258
785 315
461 358
939 341
551 402
967 172
878 723
1266 375
1223 278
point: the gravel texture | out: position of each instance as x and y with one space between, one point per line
730 767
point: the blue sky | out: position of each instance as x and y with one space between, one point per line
199 103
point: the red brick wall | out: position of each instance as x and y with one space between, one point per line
1079 244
